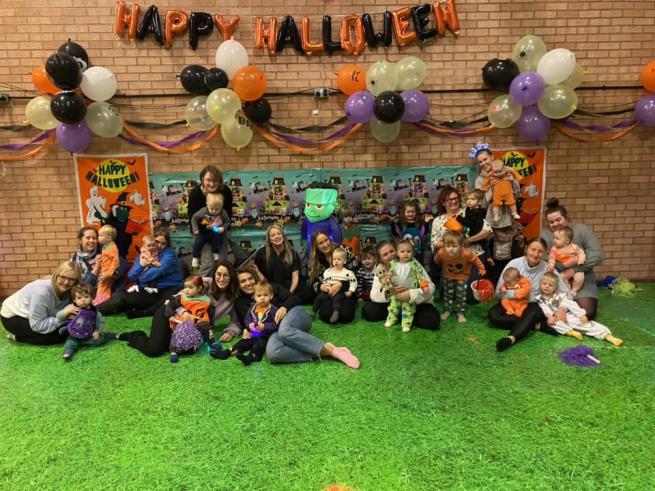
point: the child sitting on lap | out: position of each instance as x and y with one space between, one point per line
106 263
570 255
365 274
338 273
209 225
260 324
553 302
519 286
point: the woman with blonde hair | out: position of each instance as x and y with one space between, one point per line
34 313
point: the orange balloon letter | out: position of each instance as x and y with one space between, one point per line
308 47
176 22
226 27
123 19
352 46
446 18
401 26
266 34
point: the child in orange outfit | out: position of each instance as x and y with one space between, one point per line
568 254
521 286
106 263
499 181
457 263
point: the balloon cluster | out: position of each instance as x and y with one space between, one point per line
541 87
62 81
645 107
216 104
374 99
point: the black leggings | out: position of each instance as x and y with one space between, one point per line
160 336
325 308
20 328
142 304
426 316
532 318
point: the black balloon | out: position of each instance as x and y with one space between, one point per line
201 24
389 107
372 37
193 79
420 15
151 24
329 45
64 71
77 52
498 74
258 111
216 78
288 33
68 107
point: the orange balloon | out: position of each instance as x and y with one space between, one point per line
401 17
648 77
249 83
352 44
351 79
176 22
42 82
308 46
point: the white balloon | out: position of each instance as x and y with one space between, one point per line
98 83
231 56
556 65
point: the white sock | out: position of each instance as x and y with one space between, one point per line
195 262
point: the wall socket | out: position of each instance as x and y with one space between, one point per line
315 113
321 92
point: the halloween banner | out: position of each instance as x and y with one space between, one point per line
113 190
530 165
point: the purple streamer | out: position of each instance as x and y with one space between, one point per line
186 139
598 128
18 146
304 142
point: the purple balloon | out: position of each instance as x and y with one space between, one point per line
532 125
527 88
74 137
645 110
417 105
360 107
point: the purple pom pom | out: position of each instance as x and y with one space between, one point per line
185 338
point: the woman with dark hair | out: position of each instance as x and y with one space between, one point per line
222 292
157 277
292 343
532 266
320 258
34 314
85 258
211 181
449 207
426 316
557 217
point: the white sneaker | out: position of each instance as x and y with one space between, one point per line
11 337
389 324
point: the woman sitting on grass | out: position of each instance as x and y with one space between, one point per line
157 276
531 266
34 314
223 292
426 315
279 263
292 343
320 259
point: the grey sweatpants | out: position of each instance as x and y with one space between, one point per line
292 343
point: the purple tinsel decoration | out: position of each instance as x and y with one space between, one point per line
579 356
185 338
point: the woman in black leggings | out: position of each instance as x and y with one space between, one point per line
532 266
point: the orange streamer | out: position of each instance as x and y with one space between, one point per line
189 147
594 138
320 148
34 151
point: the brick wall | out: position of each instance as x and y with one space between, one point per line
606 186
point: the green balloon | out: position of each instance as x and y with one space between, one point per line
39 115
411 73
382 76
222 105
237 132
575 79
503 111
527 52
104 120
384 132
558 102
196 114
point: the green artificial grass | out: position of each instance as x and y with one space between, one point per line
427 410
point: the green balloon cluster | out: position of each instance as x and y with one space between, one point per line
103 120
